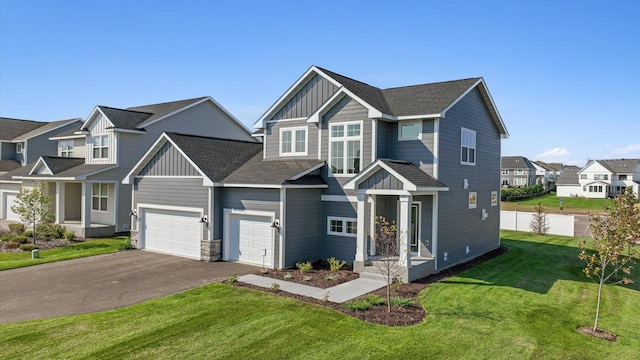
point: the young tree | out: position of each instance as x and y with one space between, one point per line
539 220
33 207
614 241
387 248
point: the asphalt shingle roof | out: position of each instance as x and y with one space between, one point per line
620 165
568 177
59 164
413 173
124 119
275 172
47 127
543 165
516 162
11 128
9 165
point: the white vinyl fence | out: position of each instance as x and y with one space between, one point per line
521 221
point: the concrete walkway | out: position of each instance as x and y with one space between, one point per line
337 294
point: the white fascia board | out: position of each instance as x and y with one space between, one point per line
39 163
332 101
286 96
126 131
258 186
308 171
85 176
431 189
45 178
586 166
339 198
294 186
375 166
145 123
90 118
77 136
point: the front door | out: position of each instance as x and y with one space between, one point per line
415 227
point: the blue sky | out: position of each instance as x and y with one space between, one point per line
564 75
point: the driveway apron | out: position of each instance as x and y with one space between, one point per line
103 282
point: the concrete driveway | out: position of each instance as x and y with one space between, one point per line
103 282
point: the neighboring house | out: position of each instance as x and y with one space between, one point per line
84 178
558 168
335 154
601 179
517 171
21 142
545 174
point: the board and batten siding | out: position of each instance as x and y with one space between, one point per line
168 161
180 192
272 139
340 247
307 100
419 152
99 127
346 110
382 180
460 226
303 240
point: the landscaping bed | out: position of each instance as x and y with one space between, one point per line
321 276
408 312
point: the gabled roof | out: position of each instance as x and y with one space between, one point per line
413 178
62 168
9 165
56 164
620 165
568 177
543 165
556 166
516 162
124 119
416 101
18 130
258 171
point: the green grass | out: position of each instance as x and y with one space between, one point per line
82 249
552 204
526 303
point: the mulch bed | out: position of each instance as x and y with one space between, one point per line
399 316
42 244
598 334
320 277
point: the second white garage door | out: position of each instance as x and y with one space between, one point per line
173 232
9 200
251 239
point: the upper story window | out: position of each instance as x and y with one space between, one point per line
601 177
19 147
410 130
293 141
100 147
505 172
468 147
583 176
345 148
66 148
622 177
520 172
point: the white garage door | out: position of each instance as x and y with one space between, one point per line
173 232
251 239
9 200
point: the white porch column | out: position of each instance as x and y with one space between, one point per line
404 225
361 238
85 211
59 202
434 229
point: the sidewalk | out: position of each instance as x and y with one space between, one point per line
337 294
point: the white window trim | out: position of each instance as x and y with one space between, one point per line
504 172
474 195
409 122
69 151
19 148
344 139
519 181
475 149
93 146
100 197
293 141
344 226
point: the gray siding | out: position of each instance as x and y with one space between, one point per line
41 145
346 110
72 201
304 103
168 161
272 139
460 226
340 247
162 191
426 212
8 151
382 140
303 226
382 180
419 152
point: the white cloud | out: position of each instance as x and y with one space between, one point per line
626 150
554 154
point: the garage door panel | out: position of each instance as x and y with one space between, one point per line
174 232
9 200
251 234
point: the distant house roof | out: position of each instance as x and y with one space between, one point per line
572 168
568 177
620 165
544 165
516 162
556 166
17 129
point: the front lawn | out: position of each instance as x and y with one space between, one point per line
81 249
552 204
525 303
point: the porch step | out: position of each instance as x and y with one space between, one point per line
372 274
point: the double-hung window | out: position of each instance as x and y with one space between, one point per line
293 141
99 196
342 226
66 148
468 147
505 172
345 148
19 147
101 147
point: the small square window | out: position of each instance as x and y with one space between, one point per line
19 147
410 130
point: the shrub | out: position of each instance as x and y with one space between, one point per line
288 276
374 300
275 287
28 247
264 271
125 244
330 276
69 235
28 233
5 237
305 267
11 245
401 302
336 265
16 228
54 231
306 278
20 239
233 279
360 305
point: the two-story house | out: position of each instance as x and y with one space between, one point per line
602 179
517 171
22 142
84 179
335 154
545 174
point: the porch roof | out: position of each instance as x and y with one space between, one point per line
412 177
59 168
